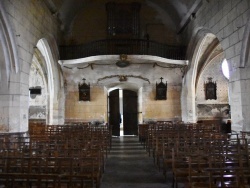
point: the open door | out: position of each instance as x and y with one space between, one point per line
130 112
114 112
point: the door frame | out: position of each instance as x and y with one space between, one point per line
139 101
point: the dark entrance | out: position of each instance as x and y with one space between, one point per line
130 113
130 118
114 112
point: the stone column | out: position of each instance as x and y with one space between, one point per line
239 87
188 100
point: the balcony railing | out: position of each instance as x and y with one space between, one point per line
122 46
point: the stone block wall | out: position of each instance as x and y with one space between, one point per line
212 109
37 103
227 20
28 21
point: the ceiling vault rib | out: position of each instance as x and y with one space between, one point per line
189 16
51 6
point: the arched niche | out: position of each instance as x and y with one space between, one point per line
209 108
38 101
53 76
202 50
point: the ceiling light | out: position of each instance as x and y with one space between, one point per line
123 61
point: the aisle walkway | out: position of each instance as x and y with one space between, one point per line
129 166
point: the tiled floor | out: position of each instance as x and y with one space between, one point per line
129 165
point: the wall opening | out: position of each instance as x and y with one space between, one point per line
38 101
123 112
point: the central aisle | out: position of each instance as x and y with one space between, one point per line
129 166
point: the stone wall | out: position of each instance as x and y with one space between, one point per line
37 103
210 109
101 84
28 21
227 20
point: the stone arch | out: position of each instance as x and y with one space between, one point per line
13 115
194 51
7 40
244 56
218 107
38 105
49 51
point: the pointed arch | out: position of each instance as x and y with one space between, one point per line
38 77
55 83
7 40
194 51
244 56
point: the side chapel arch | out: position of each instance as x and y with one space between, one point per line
189 81
9 66
38 104
49 51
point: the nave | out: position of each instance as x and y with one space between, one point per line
129 165
163 155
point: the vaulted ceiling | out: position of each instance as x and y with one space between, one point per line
179 11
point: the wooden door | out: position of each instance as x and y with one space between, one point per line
130 113
114 112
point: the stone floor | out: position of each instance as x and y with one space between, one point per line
129 165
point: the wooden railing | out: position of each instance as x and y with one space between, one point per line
122 46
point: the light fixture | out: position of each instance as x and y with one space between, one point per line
34 91
123 61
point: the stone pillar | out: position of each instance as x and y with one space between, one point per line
13 105
239 87
188 101
59 109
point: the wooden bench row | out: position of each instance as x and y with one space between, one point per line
50 172
67 156
187 151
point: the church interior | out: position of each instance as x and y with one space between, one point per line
125 93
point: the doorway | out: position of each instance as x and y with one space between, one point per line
123 112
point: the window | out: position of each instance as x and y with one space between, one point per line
225 68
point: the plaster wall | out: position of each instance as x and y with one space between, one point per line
93 110
161 110
149 108
27 20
